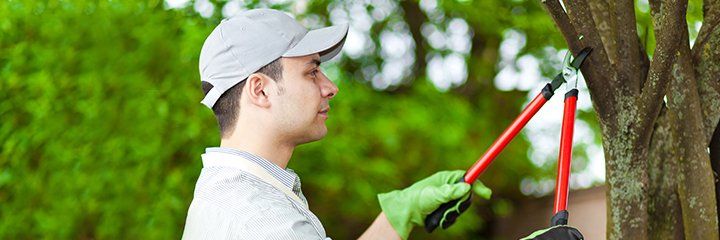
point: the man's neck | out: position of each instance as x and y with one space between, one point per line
275 152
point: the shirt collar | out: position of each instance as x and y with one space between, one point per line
286 176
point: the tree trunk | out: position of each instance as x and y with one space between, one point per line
661 183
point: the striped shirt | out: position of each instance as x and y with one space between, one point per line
230 203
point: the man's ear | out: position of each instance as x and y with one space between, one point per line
255 90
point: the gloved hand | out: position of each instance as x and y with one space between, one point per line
408 207
560 232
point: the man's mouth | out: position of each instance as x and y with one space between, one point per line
324 112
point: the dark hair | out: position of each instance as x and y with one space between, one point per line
227 107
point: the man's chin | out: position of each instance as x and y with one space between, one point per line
317 135
320 134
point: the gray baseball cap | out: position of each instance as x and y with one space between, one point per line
241 45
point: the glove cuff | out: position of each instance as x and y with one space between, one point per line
398 218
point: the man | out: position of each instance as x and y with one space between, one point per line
260 72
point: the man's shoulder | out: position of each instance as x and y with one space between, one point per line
236 190
230 203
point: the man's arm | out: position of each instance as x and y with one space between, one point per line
380 229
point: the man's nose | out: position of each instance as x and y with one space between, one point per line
328 89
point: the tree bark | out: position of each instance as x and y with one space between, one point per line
695 179
664 206
714 149
659 174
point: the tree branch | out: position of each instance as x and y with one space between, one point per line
597 69
698 206
628 46
705 50
581 17
710 106
605 23
671 30
706 59
663 178
715 160
481 66
415 18
715 154
711 19
563 23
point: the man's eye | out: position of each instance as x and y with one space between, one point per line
313 73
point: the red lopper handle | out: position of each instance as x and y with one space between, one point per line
481 164
566 141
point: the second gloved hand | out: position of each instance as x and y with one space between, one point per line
408 207
560 232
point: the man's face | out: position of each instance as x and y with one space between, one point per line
300 106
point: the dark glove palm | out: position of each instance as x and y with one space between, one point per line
561 232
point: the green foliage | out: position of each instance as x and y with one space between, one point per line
101 127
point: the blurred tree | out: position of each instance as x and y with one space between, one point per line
662 176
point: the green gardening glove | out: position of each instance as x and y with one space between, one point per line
408 207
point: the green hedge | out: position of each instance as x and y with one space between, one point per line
101 129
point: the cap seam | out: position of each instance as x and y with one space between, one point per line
279 33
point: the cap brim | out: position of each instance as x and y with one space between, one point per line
326 41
